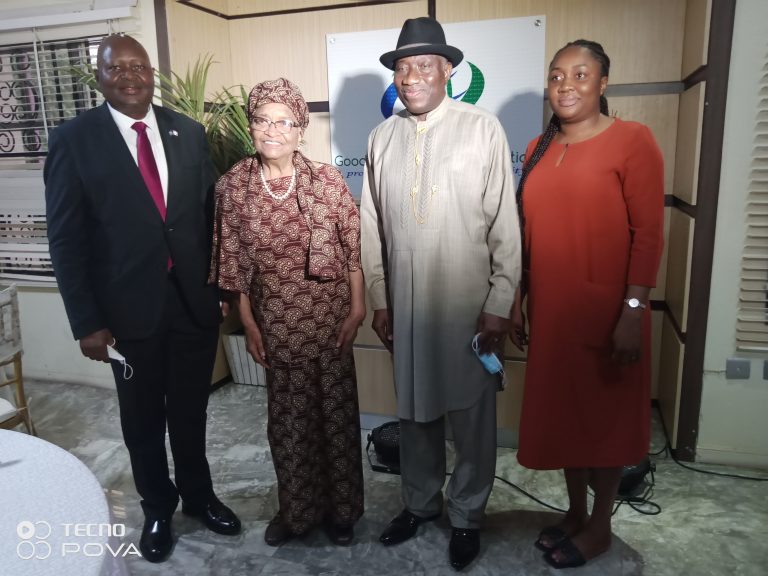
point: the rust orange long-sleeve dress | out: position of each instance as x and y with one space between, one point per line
593 224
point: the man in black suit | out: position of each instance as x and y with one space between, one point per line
128 194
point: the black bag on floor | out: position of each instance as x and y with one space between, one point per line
386 445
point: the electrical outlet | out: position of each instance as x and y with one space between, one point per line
737 368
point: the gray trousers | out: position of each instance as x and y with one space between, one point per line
422 463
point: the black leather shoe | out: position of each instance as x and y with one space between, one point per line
156 542
465 544
340 535
277 533
403 527
216 517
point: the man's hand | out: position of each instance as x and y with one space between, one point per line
382 325
492 329
94 346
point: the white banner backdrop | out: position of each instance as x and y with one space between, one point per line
502 71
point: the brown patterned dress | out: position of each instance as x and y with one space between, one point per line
293 257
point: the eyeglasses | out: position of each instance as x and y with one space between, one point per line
283 126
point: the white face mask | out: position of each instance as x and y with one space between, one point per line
117 357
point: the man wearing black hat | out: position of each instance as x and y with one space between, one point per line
441 257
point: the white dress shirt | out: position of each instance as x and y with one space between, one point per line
130 136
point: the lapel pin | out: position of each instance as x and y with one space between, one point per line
173 133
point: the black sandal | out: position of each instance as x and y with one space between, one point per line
552 533
573 556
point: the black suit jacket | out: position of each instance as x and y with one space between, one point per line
108 243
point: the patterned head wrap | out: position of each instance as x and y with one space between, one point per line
282 91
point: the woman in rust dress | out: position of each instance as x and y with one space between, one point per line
592 204
287 247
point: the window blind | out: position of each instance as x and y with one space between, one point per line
39 89
752 319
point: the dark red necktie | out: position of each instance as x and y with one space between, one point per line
148 167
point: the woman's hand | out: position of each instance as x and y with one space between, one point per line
628 332
627 336
348 332
517 332
255 344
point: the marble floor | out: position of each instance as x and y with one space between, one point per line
708 525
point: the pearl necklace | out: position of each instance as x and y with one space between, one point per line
278 197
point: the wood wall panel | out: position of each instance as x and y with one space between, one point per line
365 334
298 51
696 39
221 369
660 114
511 353
192 33
660 291
670 378
510 402
657 327
643 39
318 137
221 6
375 383
249 6
689 143
679 265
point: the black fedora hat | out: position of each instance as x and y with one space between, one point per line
421 36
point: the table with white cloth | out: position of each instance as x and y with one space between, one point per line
54 516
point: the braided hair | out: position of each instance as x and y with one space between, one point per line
597 52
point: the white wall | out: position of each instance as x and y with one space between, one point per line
733 423
50 351
147 33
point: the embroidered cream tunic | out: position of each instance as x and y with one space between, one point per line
440 245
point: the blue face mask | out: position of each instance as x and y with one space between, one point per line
489 360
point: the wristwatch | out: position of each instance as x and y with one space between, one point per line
634 303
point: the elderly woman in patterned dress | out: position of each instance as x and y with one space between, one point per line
287 248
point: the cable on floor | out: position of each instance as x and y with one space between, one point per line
639 503
668 449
